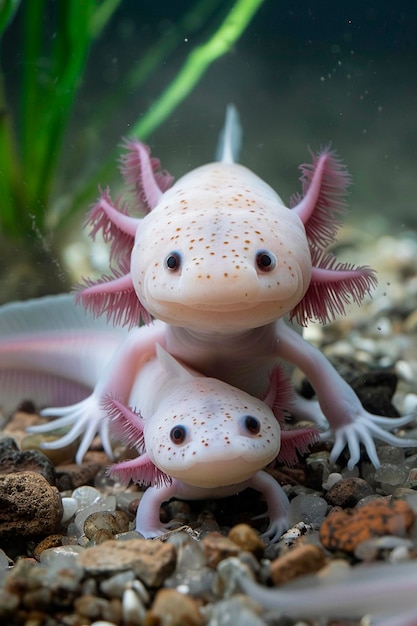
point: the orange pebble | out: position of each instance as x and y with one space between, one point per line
344 531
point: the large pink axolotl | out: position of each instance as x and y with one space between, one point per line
201 438
220 261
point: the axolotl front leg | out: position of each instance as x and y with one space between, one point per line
148 521
89 417
349 423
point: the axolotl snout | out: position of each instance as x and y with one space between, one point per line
201 438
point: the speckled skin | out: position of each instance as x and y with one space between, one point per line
209 438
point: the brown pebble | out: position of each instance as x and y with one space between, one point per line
344 531
29 505
151 561
247 539
90 606
71 476
34 441
299 561
52 541
106 522
19 422
347 493
171 608
218 547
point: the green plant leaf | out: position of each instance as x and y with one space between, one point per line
7 10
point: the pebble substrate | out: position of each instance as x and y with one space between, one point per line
69 555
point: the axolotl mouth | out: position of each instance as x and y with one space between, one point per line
218 473
219 317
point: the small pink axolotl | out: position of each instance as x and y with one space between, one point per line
220 262
201 438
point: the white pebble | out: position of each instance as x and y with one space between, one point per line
70 506
410 403
132 608
399 555
404 371
332 479
141 591
85 496
60 554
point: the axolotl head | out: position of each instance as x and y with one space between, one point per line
209 434
218 250
199 430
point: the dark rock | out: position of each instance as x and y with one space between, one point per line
12 460
375 390
347 493
29 506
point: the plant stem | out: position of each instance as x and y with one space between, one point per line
196 64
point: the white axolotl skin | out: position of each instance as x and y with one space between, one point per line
200 438
220 261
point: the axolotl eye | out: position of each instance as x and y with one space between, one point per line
252 424
178 434
173 261
265 261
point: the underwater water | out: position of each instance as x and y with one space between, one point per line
302 75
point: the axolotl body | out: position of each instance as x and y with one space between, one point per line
201 438
220 261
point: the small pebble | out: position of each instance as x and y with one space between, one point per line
151 561
247 539
171 608
300 560
332 479
347 493
52 541
132 608
70 507
218 547
344 531
390 475
307 508
110 522
114 586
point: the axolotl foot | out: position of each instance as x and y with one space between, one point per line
277 503
364 430
86 418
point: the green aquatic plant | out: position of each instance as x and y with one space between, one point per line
33 135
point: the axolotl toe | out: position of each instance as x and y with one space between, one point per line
200 438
